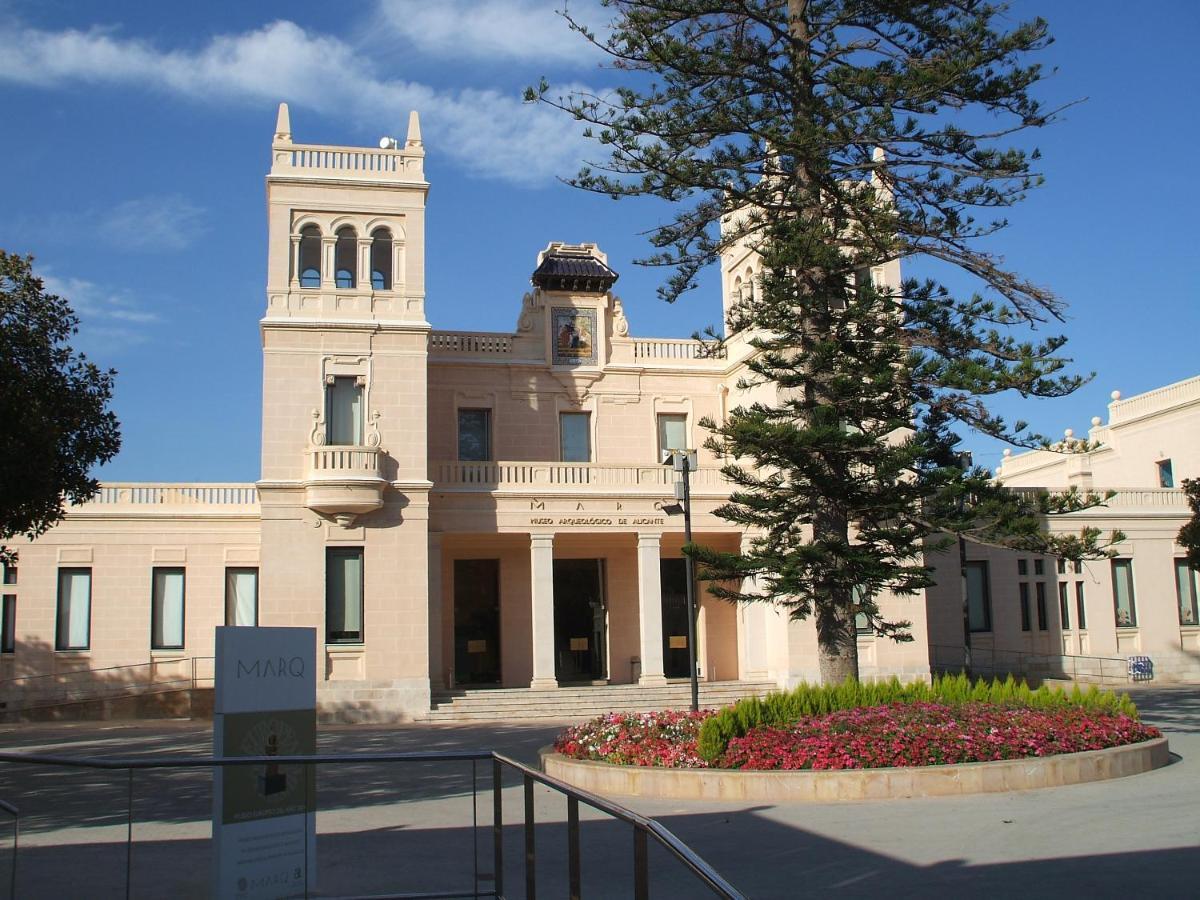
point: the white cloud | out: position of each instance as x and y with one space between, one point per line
109 321
486 131
527 30
166 222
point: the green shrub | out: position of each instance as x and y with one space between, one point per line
780 708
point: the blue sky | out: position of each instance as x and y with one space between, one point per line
136 140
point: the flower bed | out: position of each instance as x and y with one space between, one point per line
898 734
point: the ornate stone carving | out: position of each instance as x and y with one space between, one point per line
317 436
526 320
620 323
373 438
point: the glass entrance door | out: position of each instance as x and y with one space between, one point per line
673 573
477 621
580 621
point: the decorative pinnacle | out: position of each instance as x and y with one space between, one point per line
283 125
414 130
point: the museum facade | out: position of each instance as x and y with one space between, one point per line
455 509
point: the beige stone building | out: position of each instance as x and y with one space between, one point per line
478 510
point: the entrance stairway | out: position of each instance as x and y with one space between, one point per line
582 701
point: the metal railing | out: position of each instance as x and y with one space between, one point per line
644 829
992 661
50 689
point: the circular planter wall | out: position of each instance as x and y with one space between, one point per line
806 786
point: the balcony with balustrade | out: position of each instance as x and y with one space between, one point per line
345 481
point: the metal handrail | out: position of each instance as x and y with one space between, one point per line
643 827
83 672
16 817
1022 656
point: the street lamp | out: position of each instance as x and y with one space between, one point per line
964 463
684 462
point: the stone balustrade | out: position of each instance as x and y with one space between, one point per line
569 477
473 343
364 163
173 495
650 350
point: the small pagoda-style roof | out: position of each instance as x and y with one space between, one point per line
581 268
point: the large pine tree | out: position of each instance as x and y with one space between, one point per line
833 136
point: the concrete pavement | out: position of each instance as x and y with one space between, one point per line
410 828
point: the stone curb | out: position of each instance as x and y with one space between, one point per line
857 784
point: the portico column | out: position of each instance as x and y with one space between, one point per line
436 666
650 608
754 624
541 589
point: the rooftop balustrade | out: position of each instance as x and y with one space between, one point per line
570 477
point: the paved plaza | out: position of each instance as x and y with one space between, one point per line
389 828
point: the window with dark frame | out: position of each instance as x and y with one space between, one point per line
1124 602
1185 590
1039 567
1080 609
344 595
1064 605
575 439
343 411
672 434
241 596
1040 588
474 435
1166 475
979 597
167 606
1023 591
10 574
73 626
8 623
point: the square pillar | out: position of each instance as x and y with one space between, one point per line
541 583
650 608
436 664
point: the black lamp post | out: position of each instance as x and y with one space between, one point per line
684 462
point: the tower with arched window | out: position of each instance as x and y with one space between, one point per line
344 487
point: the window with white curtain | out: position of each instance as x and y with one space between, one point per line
241 597
74 609
1123 601
344 595
672 434
166 609
344 412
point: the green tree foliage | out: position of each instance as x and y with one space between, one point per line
1189 534
832 136
53 404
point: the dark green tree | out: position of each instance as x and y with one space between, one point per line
54 406
832 136
1189 534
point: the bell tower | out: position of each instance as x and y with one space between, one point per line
344 488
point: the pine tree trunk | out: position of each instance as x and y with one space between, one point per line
837 646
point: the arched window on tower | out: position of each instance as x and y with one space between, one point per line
344 262
309 263
381 259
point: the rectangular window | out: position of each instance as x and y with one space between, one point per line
474 435
861 624
344 411
1022 567
166 610
344 595
1185 589
1080 609
1064 605
10 574
1077 566
1123 600
1024 591
575 439
1062 566
979 597
241 597
1039 567
1166 477
672 434
8 623
1041 605
73 631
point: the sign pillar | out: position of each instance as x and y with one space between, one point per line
264 816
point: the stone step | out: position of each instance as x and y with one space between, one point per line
511 704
